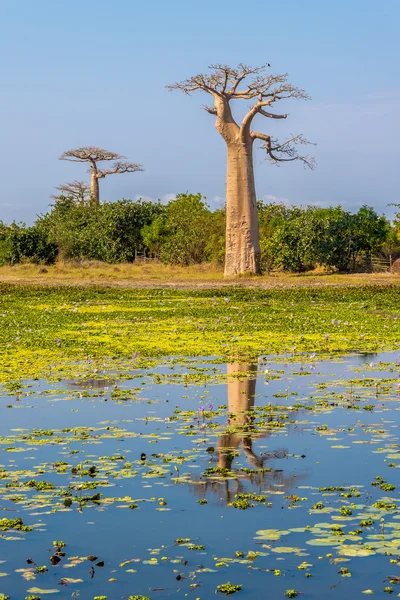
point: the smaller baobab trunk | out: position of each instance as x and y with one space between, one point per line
92 155
242 252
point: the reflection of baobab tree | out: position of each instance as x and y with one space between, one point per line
240 433
241 395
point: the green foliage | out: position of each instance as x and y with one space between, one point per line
270 217
294 240
186 232
154 236
215 248
110 231
19 242
371 230
187 229
298 239
336 245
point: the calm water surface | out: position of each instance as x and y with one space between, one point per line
274 476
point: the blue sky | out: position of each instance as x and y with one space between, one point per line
93 72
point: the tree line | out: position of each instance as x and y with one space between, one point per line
186 231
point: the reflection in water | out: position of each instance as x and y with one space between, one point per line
366 357
96 384
241 431
241 395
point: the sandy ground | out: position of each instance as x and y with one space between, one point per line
161 276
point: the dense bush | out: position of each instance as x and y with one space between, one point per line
110 232
19 242
187 233
298 239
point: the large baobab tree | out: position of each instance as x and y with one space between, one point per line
93 155
224 84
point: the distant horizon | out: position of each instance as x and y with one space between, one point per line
75 77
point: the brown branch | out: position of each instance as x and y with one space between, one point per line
119 167
223 82
90 153
210 109
260 84
256 135
287 151
78 190
271 115
248 118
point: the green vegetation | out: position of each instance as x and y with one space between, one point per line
13 524
229 588
44 329
186 232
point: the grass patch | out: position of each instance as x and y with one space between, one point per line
153 273
46 331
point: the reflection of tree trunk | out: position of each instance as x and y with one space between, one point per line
241 394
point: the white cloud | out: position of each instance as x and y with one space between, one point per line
167 198
273 198
217 201
143 197
164 199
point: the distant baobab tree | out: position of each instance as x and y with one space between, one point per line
79 191
224 84
93 155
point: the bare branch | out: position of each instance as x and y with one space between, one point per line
223 83
271 115
210 109
198 82
261 136
90 154
221 77
239 74
286 151
119 167
261 85
78 190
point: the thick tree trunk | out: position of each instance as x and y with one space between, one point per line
94 186
242 252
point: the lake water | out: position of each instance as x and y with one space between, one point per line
279 477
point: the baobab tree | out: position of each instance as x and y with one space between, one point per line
224 84
93 155
79 191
